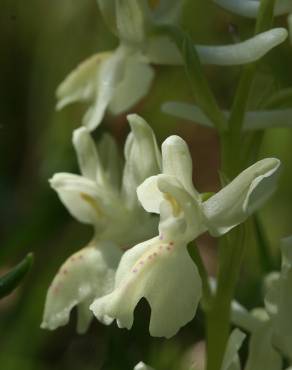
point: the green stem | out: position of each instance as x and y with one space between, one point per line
218 317
196 257
264 250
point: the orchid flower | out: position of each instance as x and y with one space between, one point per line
142 366
230 360
106 199
116 80
257 120
160 269
250 8
270 327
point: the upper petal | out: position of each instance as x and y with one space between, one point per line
134 86
177 162
162 273
87 156
244 195
142 156
111 73
86 275
80 84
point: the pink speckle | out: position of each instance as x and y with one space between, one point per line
150 257
135 270
65 271
141 263
161 237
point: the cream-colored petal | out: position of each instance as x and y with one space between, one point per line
177 162
180 213
142 366
166 276
85 201
250 8
134 86
86 275
132 18
243 52
110 75
142 156
244 195
231 358
149 195
80 84
111 160
262 354
87 156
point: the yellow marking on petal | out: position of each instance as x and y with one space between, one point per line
92 203
176 209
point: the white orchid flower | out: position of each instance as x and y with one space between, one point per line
262 352
106 199
250 8
257 120
161 269
270 327
279 301
114 81
222 211
142 366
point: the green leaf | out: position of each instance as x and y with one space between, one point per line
11 280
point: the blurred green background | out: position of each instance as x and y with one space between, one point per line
40 42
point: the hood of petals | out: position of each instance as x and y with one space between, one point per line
142 156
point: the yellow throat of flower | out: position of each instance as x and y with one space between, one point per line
176 209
